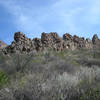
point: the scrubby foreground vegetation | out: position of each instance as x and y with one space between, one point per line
66 75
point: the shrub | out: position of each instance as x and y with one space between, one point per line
4 78
67 75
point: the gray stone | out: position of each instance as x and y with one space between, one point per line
50 41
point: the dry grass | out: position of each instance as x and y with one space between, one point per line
68 75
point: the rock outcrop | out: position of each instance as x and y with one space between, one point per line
49 41
21 44
88 43
96 41
52 41
2 44
75 42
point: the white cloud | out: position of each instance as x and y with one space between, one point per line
23 18
62 16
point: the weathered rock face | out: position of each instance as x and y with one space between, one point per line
2 44
75 42
37 44
50 41
21 44
96 41
88 43
68 37
68 41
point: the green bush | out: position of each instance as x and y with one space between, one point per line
66 75
91 94
4 78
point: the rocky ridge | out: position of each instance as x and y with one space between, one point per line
50 41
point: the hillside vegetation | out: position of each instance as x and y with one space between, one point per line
65 75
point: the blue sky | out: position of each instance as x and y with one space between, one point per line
80 17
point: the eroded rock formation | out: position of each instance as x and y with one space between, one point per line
96 41
50 41
2 44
